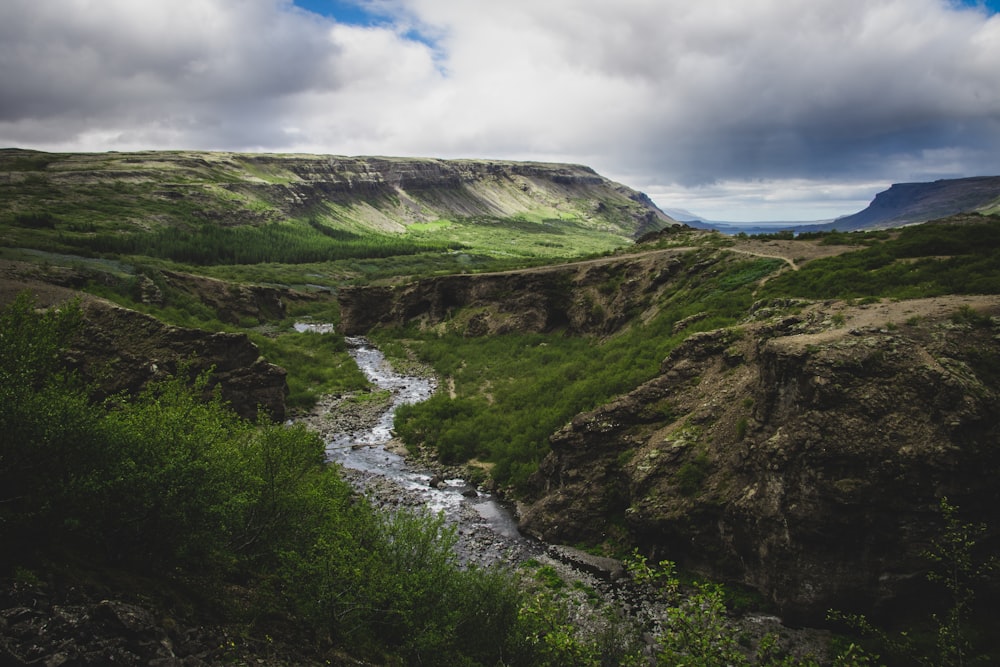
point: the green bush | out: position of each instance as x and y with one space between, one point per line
48 429
285 243
513 391
172 485
925 260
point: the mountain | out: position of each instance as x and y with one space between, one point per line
726 227
909 203
758 227
154 189
902 204
682 214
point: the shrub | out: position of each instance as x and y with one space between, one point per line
172 484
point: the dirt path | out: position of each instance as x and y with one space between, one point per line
791 263
888 314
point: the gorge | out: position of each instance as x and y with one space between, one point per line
784 415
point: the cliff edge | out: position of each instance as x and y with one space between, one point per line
801 454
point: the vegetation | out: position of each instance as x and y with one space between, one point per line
959 566
210 244
496 416
317 364
171 484
921 261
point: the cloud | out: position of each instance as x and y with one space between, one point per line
666 95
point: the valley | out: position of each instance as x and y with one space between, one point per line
786 416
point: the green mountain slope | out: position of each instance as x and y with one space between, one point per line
195 207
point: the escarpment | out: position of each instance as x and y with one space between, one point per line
396 191
793 455
124 350
186 188
596 296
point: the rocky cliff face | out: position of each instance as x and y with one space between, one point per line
392 192
123 350
793 455
596 296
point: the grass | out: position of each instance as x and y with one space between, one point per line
317 364
521 237
512 391
919 261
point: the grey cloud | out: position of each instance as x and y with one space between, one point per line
127 65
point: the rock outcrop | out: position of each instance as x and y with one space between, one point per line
124 350
234 303
57 624
595 296
803 456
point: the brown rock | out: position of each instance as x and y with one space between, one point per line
809 468
123 350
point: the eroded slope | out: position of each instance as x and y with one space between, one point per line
801 454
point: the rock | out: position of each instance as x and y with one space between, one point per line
608 569
806 462
75 628
591 297
124 350
234 303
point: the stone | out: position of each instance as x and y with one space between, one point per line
828 501
124 350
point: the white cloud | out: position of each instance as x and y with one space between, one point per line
762 103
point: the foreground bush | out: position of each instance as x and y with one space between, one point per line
170 485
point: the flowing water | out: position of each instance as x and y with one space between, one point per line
487 530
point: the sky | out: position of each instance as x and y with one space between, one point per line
737 110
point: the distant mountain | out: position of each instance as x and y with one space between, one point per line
902 204
909 203
761 227
682 214
726 227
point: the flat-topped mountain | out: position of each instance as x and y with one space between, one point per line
152 188
908 203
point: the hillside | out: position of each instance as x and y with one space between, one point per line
793 445
783 414
308 202
908 203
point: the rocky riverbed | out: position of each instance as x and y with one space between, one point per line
393 479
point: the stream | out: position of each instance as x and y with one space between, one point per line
369 455
359 437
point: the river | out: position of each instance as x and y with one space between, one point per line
359 437
364 446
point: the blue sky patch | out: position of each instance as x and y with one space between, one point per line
992 6
353 12
342 11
